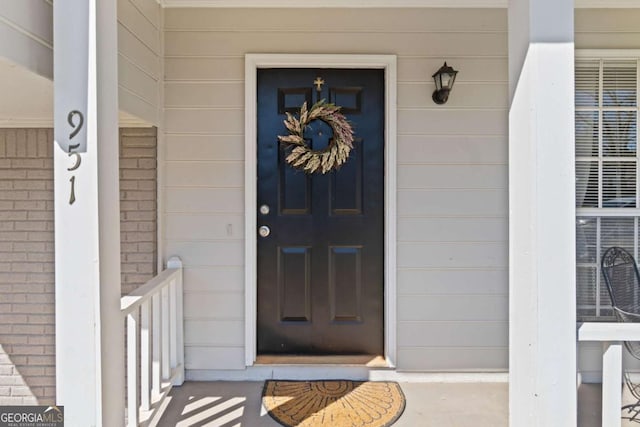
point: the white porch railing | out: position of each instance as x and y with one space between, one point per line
612 336
155 346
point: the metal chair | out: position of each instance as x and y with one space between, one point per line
623 284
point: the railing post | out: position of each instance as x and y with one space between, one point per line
611 378
173 355
178 352
164 314
145 356
132 369
156 352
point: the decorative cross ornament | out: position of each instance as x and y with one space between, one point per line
318 82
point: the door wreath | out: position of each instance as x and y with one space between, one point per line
302 156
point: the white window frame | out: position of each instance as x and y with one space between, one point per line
611 55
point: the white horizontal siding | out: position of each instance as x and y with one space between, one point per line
454 148
446 121
470 281
471 69
205 147
220 333
459 307
215 68
202 174
604 29
204 200
452 255
204 226
449 44
207 253
219 306
197 120
26 35
335 20
589 21
139 58
452 176
449 333
214 279
452 202
452 173
467 95
449 359
417 68
605 40
447 229
607 29
204 94
213 357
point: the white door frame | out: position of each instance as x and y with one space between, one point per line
252 63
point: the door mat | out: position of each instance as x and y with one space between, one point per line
333 403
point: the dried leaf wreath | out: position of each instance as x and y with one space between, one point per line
304 158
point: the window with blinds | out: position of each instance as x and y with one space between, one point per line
607 184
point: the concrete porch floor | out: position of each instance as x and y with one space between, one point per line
237 404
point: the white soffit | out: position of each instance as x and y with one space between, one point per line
27 100
606 4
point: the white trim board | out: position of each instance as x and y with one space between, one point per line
296 372
501 4
625 54
252 63
336 3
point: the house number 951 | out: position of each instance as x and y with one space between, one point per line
76 129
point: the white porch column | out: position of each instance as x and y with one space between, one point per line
89 329
542 320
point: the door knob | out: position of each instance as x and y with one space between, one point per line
264 209
264 231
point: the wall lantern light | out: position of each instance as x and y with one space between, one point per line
444 79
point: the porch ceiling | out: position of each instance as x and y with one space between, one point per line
27 99
382 3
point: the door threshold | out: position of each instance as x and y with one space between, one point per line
369 361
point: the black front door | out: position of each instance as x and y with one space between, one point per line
321 268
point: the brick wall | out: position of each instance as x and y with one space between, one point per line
27 371
137 206
27 318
